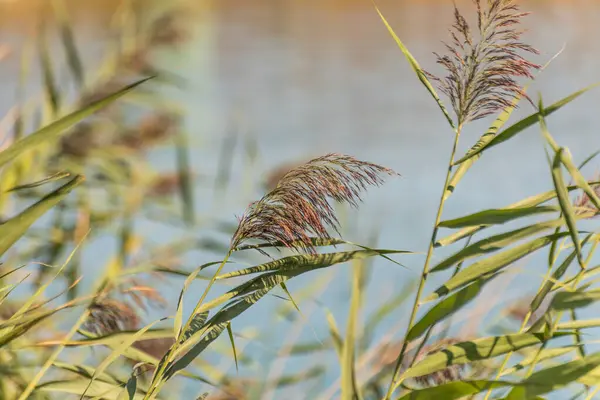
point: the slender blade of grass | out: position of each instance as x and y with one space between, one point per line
475 350
492 264
13 229
417 69
525 123
453 390
58 127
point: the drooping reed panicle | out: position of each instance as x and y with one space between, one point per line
481 74
299 206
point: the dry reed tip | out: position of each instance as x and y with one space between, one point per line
299 206
481 74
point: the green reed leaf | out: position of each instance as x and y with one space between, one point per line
417 69
531 201
310 260
446 308
492 264
525 123
78 386
496 216
58 127
52 178
494 243
475 350
453 390
14 228
553 378
572 300
230 332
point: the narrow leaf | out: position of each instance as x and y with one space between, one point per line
445 308
14 228
492 264
57 128
417 69
471 351
453 390
230 332
496 216
525 123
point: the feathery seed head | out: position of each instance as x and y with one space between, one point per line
299 205
481 74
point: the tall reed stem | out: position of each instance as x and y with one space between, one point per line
425 273
157 380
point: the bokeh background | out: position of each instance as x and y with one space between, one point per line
269 83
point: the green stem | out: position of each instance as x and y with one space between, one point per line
157 380
445 194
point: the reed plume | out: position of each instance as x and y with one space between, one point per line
481 75
299 205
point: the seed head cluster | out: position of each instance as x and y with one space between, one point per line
481 74
299 207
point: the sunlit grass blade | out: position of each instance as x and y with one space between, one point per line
579 324
556 276
446 308
52 178
111 339
565 158
572 300
416 68
529 202
525 123
289 295
57 128
453 390
280 270
588 159
539 357
116 353
14 228
317 242
178 322
492 264
230 333
49 362
494 243
496 216
475 350
553 378
334 332
309 260
85 371
565 204
78 386
214 327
